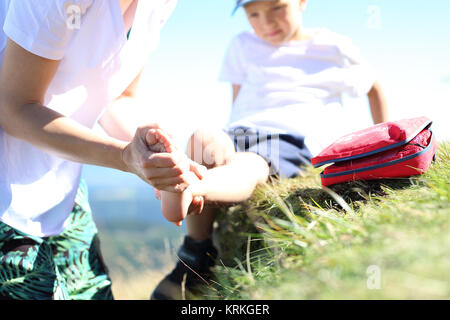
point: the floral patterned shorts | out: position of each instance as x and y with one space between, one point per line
68 266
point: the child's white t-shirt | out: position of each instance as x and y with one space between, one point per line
37 191
296 88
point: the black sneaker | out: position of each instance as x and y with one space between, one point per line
197 258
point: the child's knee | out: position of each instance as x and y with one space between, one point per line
262 168
211 148
253 163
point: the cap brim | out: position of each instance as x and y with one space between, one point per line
243 3
235 9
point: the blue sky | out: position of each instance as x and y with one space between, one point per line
407 42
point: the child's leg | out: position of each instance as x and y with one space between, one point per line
231 183
174 206
232 177
236 180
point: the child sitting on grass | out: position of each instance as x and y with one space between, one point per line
287 86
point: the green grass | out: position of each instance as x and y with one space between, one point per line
296 240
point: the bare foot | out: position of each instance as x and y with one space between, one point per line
174 206
158 141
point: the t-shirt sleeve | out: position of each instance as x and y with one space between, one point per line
233 67
359 75
44 28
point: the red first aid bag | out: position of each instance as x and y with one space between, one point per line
387 150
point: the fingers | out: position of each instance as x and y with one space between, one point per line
163 160
161 178
164 172
175 184
198 169
151 137
160 173
196 206
158 136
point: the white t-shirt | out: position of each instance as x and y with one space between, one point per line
37 191
297 87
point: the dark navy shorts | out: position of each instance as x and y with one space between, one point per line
285 153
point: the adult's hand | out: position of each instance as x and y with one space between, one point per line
164 171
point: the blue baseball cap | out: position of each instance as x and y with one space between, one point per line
240 3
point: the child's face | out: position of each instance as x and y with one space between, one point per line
276 22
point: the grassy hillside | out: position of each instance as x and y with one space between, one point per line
293 239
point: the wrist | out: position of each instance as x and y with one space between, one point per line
124 158
121 156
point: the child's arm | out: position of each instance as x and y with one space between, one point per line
378 104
